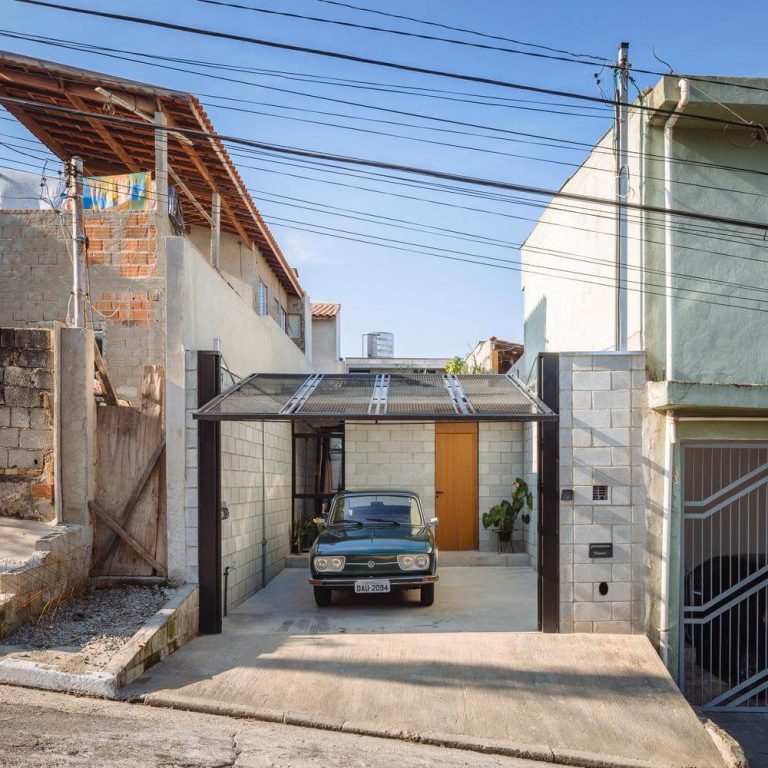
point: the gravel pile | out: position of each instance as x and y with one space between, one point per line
100 622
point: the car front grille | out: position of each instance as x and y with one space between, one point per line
360 565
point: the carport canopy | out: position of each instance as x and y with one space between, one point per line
377 397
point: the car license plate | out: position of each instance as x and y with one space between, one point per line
371 586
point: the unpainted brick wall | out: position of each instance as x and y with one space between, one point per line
126 283
26 424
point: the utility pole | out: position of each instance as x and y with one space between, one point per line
75 194
622 191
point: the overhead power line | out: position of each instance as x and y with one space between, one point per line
402 33
572 275
374 62
486 35
356 161
598 59
505 134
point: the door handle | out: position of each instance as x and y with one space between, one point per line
439 493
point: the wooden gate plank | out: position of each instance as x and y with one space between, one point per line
125 511
128 539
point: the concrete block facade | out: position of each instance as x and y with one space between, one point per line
401 456
26 424
244 488
500 461
601 399
392 456
243 491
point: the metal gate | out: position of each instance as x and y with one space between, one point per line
724 642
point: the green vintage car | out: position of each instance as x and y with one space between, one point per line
374 542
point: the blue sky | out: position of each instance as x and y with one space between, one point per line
433 306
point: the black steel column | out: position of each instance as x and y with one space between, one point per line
549 496
209 496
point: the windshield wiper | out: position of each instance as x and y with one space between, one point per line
381 520
345 523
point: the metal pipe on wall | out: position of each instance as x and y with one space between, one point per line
669 202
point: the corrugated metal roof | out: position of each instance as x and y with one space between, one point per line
396 397
325 309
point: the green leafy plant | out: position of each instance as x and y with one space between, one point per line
460 365
502 516
305 532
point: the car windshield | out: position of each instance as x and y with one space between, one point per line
376 509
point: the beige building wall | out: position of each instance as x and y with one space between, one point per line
326 345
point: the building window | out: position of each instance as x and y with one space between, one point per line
281 317
262 298
294 326
599 493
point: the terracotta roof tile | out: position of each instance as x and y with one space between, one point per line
325 310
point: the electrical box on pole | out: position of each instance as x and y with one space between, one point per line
622 191
75 194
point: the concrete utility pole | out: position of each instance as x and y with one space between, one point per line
75 194
622 190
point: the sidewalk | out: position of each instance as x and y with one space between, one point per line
394 669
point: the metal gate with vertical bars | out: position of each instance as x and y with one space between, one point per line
724 641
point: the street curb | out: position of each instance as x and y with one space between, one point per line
730 749
488 746
164 632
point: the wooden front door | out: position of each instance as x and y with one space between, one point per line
456 485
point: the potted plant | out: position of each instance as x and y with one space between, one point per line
501 517
306 531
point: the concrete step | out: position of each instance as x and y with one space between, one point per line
469 559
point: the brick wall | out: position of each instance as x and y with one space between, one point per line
391 457
126 284
26 424
601 398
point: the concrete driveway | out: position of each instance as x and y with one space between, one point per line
462 672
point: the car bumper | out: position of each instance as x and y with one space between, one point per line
342 582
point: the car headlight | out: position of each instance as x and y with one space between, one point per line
329 564
413 562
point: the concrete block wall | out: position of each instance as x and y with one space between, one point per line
26 424
601 404
245 489
500 461
126 284
392 456
242 489
531 476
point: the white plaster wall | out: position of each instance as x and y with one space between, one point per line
326 349
201 307
392 456
601 399
573 244
500 461
213 309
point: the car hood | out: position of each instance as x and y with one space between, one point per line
370 540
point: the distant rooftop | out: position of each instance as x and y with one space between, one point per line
325 310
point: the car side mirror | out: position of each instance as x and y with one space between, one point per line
433 522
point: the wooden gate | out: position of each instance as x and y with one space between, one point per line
456 485
129 511
724 643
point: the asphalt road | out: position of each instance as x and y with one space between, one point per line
38 728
